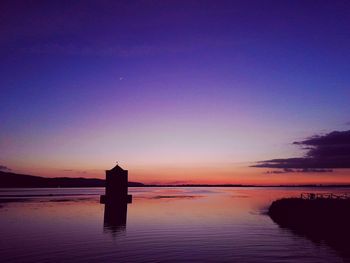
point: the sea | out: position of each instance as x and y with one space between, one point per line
162 224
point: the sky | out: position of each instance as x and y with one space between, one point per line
175 91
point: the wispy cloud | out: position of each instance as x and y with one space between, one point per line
305 170
74 171
98 50
329 151
4 168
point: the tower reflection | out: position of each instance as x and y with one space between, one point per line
115 218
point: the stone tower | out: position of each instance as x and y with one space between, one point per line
116 186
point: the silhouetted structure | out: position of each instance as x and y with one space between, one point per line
115 218
116 200
320 217
116 187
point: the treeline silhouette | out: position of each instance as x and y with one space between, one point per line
13 180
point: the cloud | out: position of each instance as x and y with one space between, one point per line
121 49
105 50
4 168
305 170
76 171
329 151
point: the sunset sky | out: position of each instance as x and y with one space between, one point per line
176 91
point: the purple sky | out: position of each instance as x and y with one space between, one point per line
162 85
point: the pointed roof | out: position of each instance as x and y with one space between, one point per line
117 168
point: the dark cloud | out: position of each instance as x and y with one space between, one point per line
305 170
329 151
4 168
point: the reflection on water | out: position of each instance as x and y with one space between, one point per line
161 225
115 218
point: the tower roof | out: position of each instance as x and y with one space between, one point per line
117 168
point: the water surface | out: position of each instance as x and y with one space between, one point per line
209 224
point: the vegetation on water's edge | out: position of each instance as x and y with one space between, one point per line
319 219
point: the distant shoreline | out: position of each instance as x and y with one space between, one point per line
189 185
244 185
13 180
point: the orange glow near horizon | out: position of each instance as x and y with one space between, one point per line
224 174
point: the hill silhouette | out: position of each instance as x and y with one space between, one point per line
13 180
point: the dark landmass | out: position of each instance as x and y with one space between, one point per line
247 185
320 220
12 180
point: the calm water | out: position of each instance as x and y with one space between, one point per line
162 225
